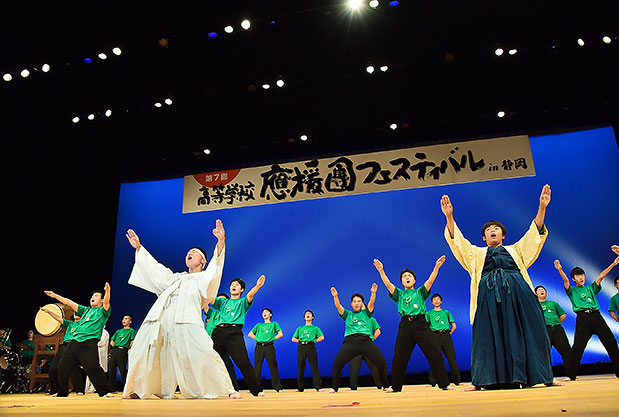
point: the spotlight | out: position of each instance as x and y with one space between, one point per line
212 35
108 113
580 42
117 51
25 73
45 68
607 39
513 51
102 56
157 104
374 4
266 86
354 4
280 83
76 119
7 77
303 137
168 101
384 68
369 69
394 3
498 51
87 60
91 116
500 114
207 151
228 29
393 126
246 24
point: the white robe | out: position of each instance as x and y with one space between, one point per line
102 347
171 346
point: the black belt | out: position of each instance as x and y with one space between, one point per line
264 343
553 325
229 325
414 317
119 347
441 331
588 311
306 343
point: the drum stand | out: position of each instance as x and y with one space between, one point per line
44 346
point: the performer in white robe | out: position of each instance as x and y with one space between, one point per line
102 347
171 347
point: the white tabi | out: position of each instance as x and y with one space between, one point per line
172 347
102 347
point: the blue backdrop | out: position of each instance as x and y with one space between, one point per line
306 247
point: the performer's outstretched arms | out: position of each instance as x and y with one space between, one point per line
133 239
605 272
448 211
220 233
544 200
439 262
336 301
380 268
254 290
615 248
72 304
566 281
373 290
106 297
51 313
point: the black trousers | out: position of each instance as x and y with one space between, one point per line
412 332
118 359
231 371
446 345
588 324
267 351
558 340
228 340
85 354
354 345
354 366
306 352
76 375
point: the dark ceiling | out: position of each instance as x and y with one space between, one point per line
443 83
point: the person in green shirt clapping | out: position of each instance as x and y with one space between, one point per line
265 334
554 316
307 336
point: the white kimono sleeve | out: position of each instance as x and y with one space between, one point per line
210 278
462 249
530 245
149 274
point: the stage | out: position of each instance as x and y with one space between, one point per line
594 395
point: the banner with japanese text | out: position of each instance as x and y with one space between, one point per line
471 161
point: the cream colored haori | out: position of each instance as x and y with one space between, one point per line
172 347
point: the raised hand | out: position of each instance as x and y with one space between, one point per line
558 265
45 310
133 239
378 265
261 281
374 288
544 198
446 206
219 232
333 292
50 293
440 261
106 287
615 248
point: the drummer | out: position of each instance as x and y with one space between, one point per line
4 344
27 348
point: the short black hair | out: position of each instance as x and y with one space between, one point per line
240 281
357 295
436 295
102 292
268 309
615 281
223 294
577 271
309 311
408 270
540 286
493 223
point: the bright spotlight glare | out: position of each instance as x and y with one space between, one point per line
25 73
369 69
513 51
228 29
7 77
500 114
246 24
157 104
117 51
76 119
581 42
102 56
280 83
207 151
266 86
384 68
354 4
498 51
606 39
108 113
394 3
374 4
91 116
168 101
45 68
393 126
303 137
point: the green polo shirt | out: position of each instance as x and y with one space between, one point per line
374 326
357 323
307 333
212 317
410 302
69 333
123 337
231 311
552 310
583 298
266 332
614 304
439 320
29 354
92 322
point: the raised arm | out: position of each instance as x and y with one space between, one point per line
220 233
605 272
544 200
566 281
448 211
72 304
372 297
51 313
615 248
379 267
106 297
133 239
254 290
336 301
439 262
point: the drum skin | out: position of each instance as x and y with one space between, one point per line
45 324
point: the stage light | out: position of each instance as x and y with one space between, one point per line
369 69
500 114
393 126
384 68
354 4
607 39
157 104
45 68
373 4
513 51
280 83
102 56
580 42
228 29
266 86
117 51
24 73
207 151
7 77
212 35
87 60
246 24
91 116
394 3
498 51
108 113
168 101
76 119
303 137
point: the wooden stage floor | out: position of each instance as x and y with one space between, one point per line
594 395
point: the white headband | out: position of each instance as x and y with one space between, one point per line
199 251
